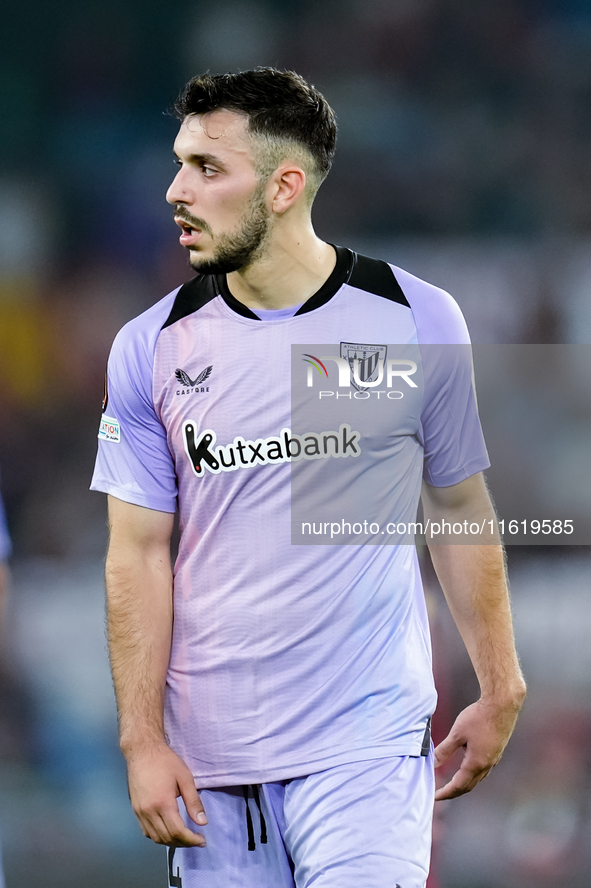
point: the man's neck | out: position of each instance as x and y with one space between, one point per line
288 274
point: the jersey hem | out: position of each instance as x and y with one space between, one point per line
451 478
304 769
135 499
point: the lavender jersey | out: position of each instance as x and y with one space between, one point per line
286 659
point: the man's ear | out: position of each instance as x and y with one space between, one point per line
285 187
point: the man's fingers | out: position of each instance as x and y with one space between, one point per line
156 780
168 829
193 803
473 768
446 749
482 734
464 780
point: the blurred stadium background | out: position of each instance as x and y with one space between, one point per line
464 156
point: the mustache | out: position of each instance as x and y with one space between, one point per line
181 212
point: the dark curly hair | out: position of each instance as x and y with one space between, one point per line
284 114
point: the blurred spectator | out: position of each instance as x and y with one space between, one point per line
546 831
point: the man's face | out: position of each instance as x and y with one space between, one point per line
219 201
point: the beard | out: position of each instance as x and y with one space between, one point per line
233 252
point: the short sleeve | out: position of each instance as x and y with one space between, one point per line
133 462
451 433
450 429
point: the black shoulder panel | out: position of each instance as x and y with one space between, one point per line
231 301
340 275
376 276
191 297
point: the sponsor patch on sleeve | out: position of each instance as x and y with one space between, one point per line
109 430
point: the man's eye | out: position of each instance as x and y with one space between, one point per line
208 171
178 162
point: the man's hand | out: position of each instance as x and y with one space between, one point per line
474 583
139 622
157 777
482 730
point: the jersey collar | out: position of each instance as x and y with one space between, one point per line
339 276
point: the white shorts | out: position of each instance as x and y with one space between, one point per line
362 824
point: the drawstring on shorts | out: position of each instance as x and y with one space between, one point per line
249 826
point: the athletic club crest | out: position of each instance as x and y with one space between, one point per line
366 363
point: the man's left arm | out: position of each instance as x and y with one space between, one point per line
473 579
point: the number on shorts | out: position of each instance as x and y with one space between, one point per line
174 881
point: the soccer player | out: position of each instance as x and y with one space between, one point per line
275 699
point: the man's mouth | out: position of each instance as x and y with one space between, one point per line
187 227
190 233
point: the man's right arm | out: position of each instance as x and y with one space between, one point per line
139 622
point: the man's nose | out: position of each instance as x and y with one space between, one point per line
180 190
